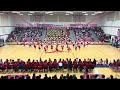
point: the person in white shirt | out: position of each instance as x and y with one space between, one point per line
60 64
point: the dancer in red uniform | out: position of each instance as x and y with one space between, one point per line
79 45
45 49
75 47
30 44
24 44
68 48
73 44
39 47
51 45
62 45
35 46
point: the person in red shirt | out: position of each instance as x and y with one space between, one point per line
75 47
45 66
80 65
50 66
75 65
40 66
84 44
45 48
39 47
55 65
51 45
64 64
3 66
79 46
24 44
30 44
34 46
68 48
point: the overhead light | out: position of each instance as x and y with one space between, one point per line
14 11
66 14
17 12
20 14
69 12
96 12
84 12
48 12
51 14
93 14
99 12
31 12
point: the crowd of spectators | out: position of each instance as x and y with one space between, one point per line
1 42
57 34
100 34
32 34
14 34
82 33
116 42
68 76
28 34
56 65
47 65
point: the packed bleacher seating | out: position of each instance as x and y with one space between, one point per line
115 65
82 34
14 34
1 42
76 65
32 34
116 42
100 34
34 76
27 34
57 34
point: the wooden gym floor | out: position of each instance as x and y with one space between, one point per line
91 51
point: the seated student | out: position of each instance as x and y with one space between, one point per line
70 65
45 65
81 77
55 65
40 66
64 64
60 64
27 76
34 76
80 65
50 66
74 76
61 76
75 65
45 77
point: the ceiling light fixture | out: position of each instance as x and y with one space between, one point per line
93 14
51 14
20 14
31 12
99 12
48 12
66 14
69 12
86 14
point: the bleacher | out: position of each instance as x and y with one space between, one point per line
57 34
1 42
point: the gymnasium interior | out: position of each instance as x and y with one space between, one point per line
59 45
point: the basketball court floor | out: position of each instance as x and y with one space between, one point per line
91 51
